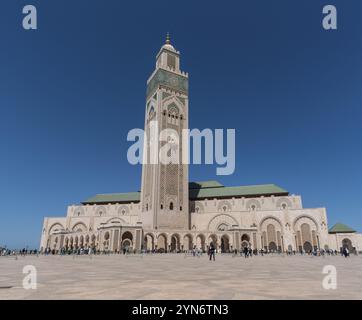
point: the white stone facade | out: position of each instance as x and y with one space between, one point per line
165 219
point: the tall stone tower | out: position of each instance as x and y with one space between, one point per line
165 193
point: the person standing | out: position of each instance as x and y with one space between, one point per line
246 252
212 251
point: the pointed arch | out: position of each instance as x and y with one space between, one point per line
79 227
222 219
57 226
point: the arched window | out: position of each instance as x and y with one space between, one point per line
171 205
146 206
161 206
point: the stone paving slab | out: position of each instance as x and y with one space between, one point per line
171 276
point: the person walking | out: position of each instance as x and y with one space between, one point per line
246 252
212 251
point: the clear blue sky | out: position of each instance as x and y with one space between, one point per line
70 92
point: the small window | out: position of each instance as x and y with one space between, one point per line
253 207
284 206
147 207
171 61
180 208
171 205
161 206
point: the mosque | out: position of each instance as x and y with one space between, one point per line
171 214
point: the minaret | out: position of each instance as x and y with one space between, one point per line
164 193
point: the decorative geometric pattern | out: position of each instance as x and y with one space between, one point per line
283 203
123 210
167 79
78 211
224 206
222 219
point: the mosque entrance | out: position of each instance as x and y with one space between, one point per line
225 247
126 244
307 246
347 243
273 246
244 244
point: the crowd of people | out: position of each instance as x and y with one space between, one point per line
249 252
22 252
211 251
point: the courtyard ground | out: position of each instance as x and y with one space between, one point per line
172 276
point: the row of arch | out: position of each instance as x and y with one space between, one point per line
176 242
81 226
228 221
250 205
101 211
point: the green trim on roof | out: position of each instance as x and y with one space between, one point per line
197 190
341 228
114 198
241 191
205 184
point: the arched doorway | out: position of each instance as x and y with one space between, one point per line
66 243
245 241
149 243
127 241
225 246
273 246
188 242
307 246
76 242
81 242
347 243
93 241
200 242
87 241
175 243
162 243
126 245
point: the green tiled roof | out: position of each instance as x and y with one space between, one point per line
242 191
341 228
205 184
197 190
114 198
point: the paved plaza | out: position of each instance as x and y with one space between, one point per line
172 276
